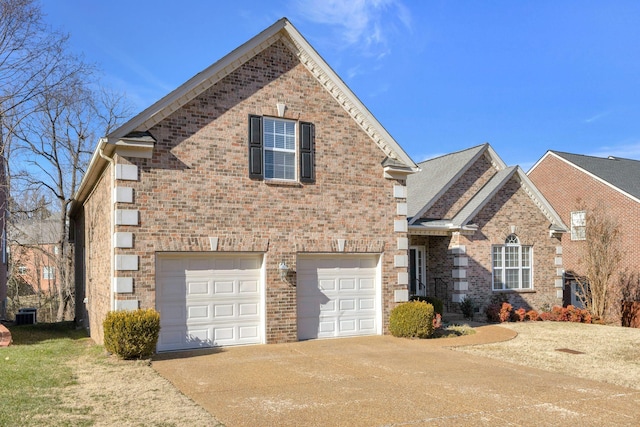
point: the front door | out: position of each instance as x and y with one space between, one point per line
417 271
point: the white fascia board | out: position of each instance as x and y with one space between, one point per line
542 202
496 160
539 161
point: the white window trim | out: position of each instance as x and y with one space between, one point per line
280 150
575 225
49 272
503 268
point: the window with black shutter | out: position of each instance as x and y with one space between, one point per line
273 151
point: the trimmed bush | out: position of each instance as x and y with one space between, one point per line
467 306
412 319
132 334
438 305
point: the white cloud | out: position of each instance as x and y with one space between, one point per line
596 117
627 150
366 23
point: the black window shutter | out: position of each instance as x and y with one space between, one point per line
307 143
255 147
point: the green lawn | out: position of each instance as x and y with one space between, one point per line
34 370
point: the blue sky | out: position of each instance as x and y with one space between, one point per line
441 76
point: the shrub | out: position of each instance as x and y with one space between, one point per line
518 315
467 306
505 312
131 334
412 319
438 305
531 315
493 312
545 316
559 314
437 321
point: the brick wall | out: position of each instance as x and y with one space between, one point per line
196 186
97 255
567 188
512 206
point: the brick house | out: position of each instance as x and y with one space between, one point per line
478 228
33 254
259 202
575 183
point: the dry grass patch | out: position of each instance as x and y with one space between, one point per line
611 354
54 375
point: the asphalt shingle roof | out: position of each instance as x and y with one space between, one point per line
436 175
621 173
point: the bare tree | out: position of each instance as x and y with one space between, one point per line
52 111
601 257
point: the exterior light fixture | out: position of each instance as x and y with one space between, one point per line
284 270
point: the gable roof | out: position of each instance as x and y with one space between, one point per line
621 174
448 169
34 232
283 31
437 175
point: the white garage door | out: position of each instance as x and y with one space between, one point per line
337 296
208 300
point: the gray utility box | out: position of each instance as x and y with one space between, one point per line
27 316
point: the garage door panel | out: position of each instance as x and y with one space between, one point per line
336 296
197 288
248 287
208 300
246 310
198 312
365 304
367 325
347 284
369 284
223 287
223 310
327 285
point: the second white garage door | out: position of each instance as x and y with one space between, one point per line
338 296
208 300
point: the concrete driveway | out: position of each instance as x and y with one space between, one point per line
386 381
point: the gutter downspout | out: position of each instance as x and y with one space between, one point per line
112 295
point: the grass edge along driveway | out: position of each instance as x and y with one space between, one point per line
53 374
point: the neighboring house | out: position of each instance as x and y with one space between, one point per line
259 202
33 248
575 183
480 229
4 264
